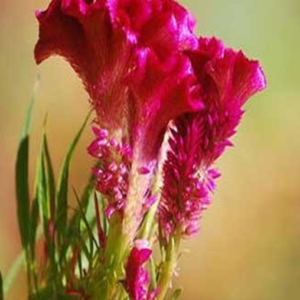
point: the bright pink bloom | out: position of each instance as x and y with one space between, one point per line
227 79
137 278
127 54
142 68
163 25
112 174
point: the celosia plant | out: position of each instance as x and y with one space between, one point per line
166 105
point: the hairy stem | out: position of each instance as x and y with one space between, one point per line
110 272
168 267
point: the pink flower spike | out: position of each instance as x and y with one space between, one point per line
226 79
112 174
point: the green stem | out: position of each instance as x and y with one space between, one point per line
112 270
149 223
168 267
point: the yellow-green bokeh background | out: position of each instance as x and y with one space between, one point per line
249 246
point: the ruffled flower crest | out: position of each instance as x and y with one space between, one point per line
97 39
82 33
162 25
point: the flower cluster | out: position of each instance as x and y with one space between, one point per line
128 54
150 77
112 174
187 181
227 79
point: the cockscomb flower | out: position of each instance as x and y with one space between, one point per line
129 57
97 39
151 82
165 25
227 79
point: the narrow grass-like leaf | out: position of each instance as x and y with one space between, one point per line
1 287
176 294
33 225
45 197
62 191
41 193
22 176
13 271
51 206
22 190
86 223
50 178
74 223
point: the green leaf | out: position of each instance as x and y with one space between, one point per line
50 176
176 294
33 226
22 190
13 271
27 122
74 224
45 195
22 176
1 287
50 204
41 193
86 223
62 191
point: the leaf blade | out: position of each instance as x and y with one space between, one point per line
62 190
22 175
1 287
176 294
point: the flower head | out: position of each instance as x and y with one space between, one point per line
127 53
226 79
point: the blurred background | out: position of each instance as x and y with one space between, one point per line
249 245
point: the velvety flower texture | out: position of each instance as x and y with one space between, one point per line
226 79
144 69
127 53
148 75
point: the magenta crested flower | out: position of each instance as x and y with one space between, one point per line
166 104
227 79
161 25
137 278
127 54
